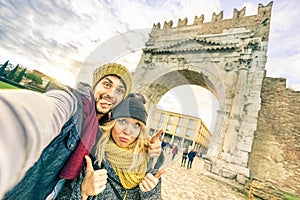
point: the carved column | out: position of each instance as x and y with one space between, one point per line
238 103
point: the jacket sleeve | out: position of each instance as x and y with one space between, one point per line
72 188
28 122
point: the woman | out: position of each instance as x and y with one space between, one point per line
174 151
184 156
121 159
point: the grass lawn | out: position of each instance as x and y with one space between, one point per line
7 86
288 196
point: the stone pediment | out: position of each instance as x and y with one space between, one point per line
192 44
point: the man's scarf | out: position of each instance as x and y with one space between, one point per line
89 131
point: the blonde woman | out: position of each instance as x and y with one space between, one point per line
119 170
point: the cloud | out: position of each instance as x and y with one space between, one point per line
62 34
284 49
58 37
55 35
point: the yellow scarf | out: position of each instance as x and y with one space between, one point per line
121 160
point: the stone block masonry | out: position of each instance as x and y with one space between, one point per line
275 156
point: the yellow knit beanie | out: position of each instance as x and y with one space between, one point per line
113 69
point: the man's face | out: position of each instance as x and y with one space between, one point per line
108 93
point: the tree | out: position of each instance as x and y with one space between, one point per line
13 72
36 79
20 76
2 68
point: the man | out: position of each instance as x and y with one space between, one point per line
184 157
46 136
191 156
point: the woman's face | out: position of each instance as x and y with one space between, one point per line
126 131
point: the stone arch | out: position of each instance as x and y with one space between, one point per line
165 82
228 58
153 84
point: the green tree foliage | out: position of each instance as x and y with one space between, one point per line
36 79
12 73
20 75
2 68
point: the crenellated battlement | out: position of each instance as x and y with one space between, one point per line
259 23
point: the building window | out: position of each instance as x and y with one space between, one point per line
169 122
177 129
189 128
171 119
179 125
161 119
190 124
159 125
180 121
168 127
188 132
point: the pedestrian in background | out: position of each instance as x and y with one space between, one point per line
174 150
191 156
184 156
163 145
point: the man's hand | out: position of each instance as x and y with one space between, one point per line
94 181
149 182
154 148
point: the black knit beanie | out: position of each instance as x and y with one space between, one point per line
131 107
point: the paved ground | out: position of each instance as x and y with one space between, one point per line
178 183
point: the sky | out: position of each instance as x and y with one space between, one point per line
59 38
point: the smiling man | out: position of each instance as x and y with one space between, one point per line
111 84
49 134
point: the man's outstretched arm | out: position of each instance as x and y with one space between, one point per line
28 122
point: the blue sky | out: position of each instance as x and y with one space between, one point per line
56 37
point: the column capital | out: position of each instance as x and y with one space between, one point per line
244 63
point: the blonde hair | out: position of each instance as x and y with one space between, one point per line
140 152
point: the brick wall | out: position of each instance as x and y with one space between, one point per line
275 156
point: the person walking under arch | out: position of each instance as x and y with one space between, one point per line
191 156
184 157
174 151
